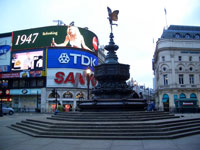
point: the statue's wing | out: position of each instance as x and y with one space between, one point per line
109 11
114 15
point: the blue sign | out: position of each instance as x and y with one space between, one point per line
70 58
4 49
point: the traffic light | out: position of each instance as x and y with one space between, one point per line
1 92
4 92
7 92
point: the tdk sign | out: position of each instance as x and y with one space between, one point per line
69 58
64 58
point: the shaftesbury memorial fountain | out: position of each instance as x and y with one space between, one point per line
112 91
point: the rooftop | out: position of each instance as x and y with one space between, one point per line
182 32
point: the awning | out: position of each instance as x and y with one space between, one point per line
187 99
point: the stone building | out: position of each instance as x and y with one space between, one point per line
176 66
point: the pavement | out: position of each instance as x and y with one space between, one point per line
13 140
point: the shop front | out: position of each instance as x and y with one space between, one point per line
26 100
65 97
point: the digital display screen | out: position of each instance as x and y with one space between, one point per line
32 60
55 36
71 58
5 47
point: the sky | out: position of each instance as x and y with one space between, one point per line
140 24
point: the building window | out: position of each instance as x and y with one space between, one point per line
165 77
164 69
180 68
4 83
193 96
40 82
163 58
177 35
22 83
190 58
15 84
179 58
191 78
191 69
33 83
181 80
199 78
67 95
187 36
197 36
182 95
199 58
54 95
80 95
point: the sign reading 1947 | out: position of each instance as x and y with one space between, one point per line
43 37
21 39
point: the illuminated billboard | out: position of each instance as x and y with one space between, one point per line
31 60
71 58
23 74
74 78
55 36
5 44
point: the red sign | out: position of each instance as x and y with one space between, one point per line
62 78
22 74
5 92
10 75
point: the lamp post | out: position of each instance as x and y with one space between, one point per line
56 98
88 72
54 92
1 111
3 93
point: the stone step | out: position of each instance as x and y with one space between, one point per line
158 123
103 129
109 116
112 125
134 113
112 119
151 126
107 135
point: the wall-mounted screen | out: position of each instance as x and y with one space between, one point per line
32 60
71 58
55 36
5 45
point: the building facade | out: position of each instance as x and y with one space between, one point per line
176 66
36 62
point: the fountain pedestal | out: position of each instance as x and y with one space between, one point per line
112 91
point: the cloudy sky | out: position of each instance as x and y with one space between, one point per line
140 21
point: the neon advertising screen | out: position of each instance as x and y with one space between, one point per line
55 36
5 46
31 60
71 58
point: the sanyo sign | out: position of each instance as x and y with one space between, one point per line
70 58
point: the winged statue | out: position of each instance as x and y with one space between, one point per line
112 16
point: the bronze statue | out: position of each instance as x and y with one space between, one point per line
112 16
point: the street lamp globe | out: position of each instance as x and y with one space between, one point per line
88 71
135 83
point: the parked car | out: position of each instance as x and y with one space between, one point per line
7 110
